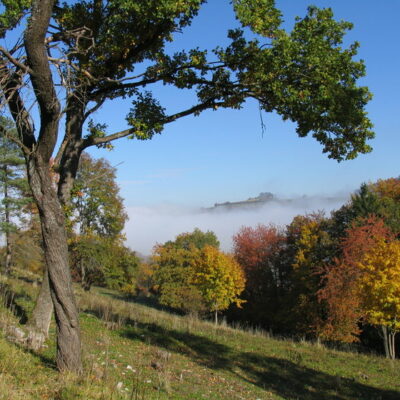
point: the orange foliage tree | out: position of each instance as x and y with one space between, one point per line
259 251
341 291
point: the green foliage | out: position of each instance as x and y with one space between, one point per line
102 261
14 185
310 248
194 276
260 16
379 199
307 77
196 239
174 278
97 211
27 251
14 190
304 75
96 205
12 13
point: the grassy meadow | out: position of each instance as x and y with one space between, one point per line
136 351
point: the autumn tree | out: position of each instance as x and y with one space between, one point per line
195 276
219 278
174 270
341 289
174 278
310 247
91 48
260 252
145 283
380 199
379 281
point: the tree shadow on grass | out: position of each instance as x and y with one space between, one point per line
150 301
290 380
11 301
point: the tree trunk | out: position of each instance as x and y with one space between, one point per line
41 315
56 259
385 341
216 317
7 265
392 347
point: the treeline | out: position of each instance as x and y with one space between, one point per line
331 278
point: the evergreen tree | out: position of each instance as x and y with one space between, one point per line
13 186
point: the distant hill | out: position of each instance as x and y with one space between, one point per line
268 197
261 199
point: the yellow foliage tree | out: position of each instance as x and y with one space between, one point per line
309 244
380 289
219 278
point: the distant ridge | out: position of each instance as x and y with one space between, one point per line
260 200
268 197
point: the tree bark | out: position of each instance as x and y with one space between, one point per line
42 313
56 258
391 344
386 341
69 160
7 265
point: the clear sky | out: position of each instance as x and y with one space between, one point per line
222 155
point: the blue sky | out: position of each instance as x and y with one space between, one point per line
223 155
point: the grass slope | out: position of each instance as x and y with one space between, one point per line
133 351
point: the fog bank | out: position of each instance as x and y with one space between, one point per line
157 224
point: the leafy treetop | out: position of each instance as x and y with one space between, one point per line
104 50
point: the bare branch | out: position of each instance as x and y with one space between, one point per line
95 108
15 61
10 83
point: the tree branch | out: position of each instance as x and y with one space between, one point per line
96 141
41 76
14 61
10 83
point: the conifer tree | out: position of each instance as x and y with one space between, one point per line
13 186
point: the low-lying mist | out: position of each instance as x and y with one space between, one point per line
158 224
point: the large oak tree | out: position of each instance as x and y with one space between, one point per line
91 49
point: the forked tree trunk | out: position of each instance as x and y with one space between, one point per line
56 259
42 313
389 338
